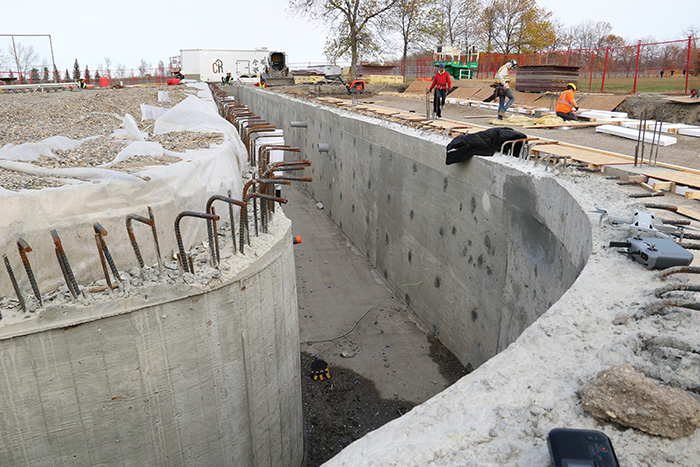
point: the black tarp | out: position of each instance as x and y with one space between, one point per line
483 143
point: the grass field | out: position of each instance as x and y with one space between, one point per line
675 85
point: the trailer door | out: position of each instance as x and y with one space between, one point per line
242 67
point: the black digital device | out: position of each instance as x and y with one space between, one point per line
580 448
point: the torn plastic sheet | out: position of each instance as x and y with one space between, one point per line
107 196
163 96
152 112
32 151
130 130
138 148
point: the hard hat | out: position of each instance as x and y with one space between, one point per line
573 86
442 65
228 72
514 63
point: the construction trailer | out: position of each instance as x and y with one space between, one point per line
211 65
460 65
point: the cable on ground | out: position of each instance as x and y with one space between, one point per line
365 314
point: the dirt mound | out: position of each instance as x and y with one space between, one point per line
655 105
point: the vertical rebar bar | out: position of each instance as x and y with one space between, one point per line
103 233
24 248
64 260
233 224
102 261
14 283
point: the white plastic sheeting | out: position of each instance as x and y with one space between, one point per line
107 196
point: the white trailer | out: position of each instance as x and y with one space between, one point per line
213 64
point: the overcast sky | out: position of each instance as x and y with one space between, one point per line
128 31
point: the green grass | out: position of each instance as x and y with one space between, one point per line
675 85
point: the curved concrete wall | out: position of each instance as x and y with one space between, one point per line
493 247
173 375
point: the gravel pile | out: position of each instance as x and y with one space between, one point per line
90 113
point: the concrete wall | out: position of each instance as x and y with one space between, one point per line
170 376
493 247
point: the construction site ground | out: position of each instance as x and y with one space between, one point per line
389 363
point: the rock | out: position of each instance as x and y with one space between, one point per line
625 396
319 205
346 354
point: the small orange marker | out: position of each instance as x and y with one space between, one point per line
296 239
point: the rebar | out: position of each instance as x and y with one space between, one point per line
63 262
101 232
646 195
656 154
24 248
150 221
678 270
676 288
231 202
183 255
103 262
14 283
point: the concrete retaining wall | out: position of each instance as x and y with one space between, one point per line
493 247
171 376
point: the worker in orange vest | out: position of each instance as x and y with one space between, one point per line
567 103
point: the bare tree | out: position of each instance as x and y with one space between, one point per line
355 23
589 34
121 71
143 68
108 66
24 57
416 22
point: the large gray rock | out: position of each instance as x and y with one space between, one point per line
625 396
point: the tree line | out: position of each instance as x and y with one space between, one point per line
26 58
373 29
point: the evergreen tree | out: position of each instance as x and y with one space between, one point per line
97 75
66 77
34 75
46 74
76 70
87 74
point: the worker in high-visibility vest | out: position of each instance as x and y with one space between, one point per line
567 103
503 87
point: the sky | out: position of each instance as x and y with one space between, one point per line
129 31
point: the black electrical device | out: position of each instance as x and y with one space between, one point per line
580 448
656 253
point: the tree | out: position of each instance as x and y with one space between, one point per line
589 34
87 74
66 77
46 74
108 64
34 75
97 75
354 23
76 70
24 57
143 68
416 22
517 26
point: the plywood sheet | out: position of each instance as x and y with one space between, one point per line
417 87
530 99
681 178
607 102
464 92
683 100
482 94
581 155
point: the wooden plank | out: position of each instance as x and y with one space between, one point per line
649 187
637 178
692 194
683 100
687 212
681 178
580 154
670 186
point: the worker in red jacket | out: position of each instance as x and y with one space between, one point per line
567 103
441 83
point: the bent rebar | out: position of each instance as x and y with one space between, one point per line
65 265
14 283
184 258
212 223
151 222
